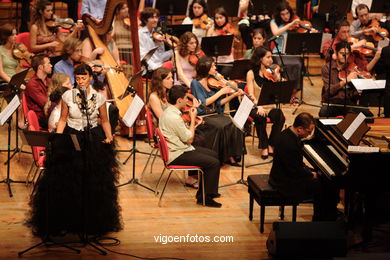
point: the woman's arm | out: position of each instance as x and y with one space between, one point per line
105 123
33 41
279 31
64 116
155 105
3 75
250 81
180 72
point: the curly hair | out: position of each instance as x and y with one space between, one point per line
185 38
157 86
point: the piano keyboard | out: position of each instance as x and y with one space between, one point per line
318 159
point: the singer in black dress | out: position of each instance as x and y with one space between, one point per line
77 192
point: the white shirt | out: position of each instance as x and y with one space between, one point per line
77 118
54 118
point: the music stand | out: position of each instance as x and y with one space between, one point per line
171 7
179 29
231 8
274 93
146 72
380 6
35 138
335 9
240 68
217 46
302 43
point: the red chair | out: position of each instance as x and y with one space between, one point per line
164 153
25 39
37 151
168 65
150 129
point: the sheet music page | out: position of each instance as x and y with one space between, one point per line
367 84
362 149
331 121
381 84
355 124
242 113
133 111
9 110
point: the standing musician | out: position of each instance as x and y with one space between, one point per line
199 18
93 7
255 78
221 134
341 74
179 138
364 27
222 26
149 39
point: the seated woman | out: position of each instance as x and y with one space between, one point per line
262 60
198 17
258 39
187 54
60 82
81 184
222 27
221 134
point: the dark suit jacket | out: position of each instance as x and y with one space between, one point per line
289 175
383 67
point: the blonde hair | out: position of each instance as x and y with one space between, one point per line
57 80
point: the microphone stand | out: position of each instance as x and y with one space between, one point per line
329 54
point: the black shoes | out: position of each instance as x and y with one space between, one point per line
214 196
210 203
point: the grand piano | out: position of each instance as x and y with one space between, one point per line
363 175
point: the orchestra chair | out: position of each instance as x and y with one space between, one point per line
164 153
38 152
24 38
150 130
168 65
260 190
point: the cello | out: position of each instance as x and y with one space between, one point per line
117 80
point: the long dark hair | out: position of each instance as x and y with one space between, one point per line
203 67
257 56
84 69
157 78
280 7
202 3
5 32
221 11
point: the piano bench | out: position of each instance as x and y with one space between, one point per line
265 195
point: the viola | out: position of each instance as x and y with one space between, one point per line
193 58
202 22
380 34
272 73
65 23
20 52
367 50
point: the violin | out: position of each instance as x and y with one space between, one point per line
20 52
367 50
65 23
218 81
159 35
353 68
193 58
202 22
273 73
186 111
379 34
302 27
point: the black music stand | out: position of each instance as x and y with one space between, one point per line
35 138
302 43
240 68
274 93
380 6
179 29
334 9
147 72
264 6
171 7
13 87
231 7
217 46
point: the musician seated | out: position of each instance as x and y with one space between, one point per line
149 40
258 40
179 138
296 181
199 18
339 90
364 26
36 89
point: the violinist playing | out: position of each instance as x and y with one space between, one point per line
365 27
262 71
149 22
341 74
221 134
187 55
223 27
199 18
285 21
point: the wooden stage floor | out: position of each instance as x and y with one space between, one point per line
144 221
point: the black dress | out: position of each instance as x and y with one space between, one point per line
77 192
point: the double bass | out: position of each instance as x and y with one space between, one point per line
117 80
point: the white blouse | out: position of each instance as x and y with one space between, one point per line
77 118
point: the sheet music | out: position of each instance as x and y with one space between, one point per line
367 84
133 111
242 113
331 121
354 126
362 149
9 110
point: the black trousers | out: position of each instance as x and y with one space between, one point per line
277 119
208 160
